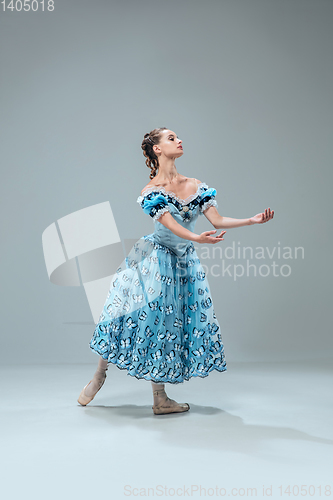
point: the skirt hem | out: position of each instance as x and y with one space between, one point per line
162 380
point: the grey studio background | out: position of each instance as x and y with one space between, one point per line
245 84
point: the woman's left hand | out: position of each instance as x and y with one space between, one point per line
263 217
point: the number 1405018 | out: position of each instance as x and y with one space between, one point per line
26 5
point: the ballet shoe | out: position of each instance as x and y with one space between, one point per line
83 399
164 408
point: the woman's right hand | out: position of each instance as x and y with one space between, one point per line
206 238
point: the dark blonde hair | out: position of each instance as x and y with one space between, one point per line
148 142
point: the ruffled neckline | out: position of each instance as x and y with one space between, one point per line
173 195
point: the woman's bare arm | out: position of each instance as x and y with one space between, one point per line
168 221
220 222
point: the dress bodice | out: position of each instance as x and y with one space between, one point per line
155 201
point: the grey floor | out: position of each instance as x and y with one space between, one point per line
258 425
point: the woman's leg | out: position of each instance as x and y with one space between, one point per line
98 379
158 393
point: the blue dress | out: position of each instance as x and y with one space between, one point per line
158 320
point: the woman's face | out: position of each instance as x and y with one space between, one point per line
170 145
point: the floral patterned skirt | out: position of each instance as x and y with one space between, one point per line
158 321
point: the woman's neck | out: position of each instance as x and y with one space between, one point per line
167 172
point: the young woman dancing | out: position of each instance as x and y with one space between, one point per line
158 322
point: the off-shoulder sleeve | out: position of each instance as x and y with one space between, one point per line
154 204
207 199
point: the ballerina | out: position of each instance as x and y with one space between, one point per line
158 322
